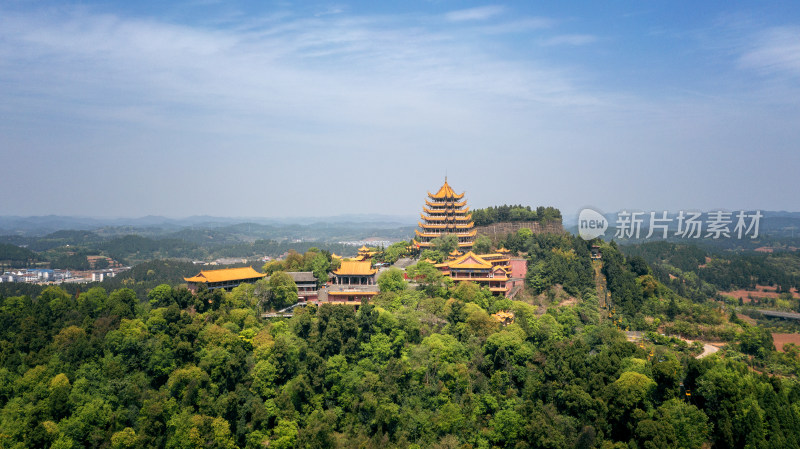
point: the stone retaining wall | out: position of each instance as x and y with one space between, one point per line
498 231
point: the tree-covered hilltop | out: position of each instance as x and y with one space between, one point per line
15 256
418 368
725 270
495 214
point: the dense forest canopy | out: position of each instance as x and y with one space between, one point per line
495 214
725 270
14 256
148 364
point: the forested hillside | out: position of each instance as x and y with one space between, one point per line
418 368
14 256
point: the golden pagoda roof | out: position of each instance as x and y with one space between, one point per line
469 260
456 218
446 203
472 233
445 211
445 191
447 225
363 248
355 268
503 250
225 275
455 252
335 256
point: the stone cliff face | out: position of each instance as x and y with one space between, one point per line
497 231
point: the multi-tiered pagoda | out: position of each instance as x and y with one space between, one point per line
446 212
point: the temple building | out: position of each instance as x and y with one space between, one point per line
227 278
306 284
365 253
487 270
445 212
353 295
353 272
352 282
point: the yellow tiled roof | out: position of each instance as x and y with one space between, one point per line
355 268
446 225
446 211
447 203
468 261
445 192
363 248
225 275
437 218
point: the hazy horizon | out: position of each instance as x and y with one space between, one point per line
251 109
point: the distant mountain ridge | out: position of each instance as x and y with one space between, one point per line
47 224
571 220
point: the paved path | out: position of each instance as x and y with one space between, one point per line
708 349
774 313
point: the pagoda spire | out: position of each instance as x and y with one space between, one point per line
446 213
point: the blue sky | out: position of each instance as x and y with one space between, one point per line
311 109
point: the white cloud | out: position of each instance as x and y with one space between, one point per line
111 98
570 39
774 51
474 14
328 70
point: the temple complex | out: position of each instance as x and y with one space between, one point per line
227 278
487 270
445 213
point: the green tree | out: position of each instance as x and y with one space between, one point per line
284 435
395 251
429 254
124 439
445 244
430 278
320 266
282 291
483 245
690 424
757 341
160 296
391 280
193 431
